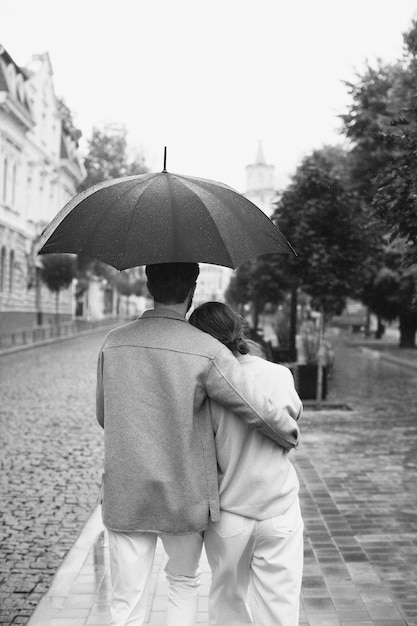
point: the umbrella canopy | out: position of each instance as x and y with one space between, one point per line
162 218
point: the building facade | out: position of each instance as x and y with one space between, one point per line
212 283
40 170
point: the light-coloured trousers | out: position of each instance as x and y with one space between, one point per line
257 569
131 560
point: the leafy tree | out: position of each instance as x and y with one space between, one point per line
324 222
392 292
258 282
395 199
382 125
375 103
108 157
238 292
68 119
57 272
128 283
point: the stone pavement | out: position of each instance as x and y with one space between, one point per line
358 571
357 470
51 457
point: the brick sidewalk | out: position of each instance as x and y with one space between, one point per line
79 595
343 583
357 469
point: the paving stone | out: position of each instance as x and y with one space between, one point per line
52 455
357 473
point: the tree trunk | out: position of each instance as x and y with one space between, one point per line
293 324
255 316
379 333
320 359
408 329
57 307
368 322
38 297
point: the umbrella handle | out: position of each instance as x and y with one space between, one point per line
165 159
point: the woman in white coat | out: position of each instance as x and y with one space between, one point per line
255 551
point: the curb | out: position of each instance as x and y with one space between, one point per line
46 342
312 406
69 569
376 354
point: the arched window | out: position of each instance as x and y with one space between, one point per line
11 270
2 267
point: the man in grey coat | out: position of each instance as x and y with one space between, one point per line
155 376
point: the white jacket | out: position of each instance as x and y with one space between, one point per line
256 477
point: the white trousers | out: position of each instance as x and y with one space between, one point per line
131 560
257 569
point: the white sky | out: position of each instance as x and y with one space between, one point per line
209 79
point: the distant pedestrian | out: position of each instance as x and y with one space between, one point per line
255 550
154 378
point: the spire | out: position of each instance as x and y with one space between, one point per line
260 158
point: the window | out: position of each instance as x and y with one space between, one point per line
5 176
13 184
2 267
11 270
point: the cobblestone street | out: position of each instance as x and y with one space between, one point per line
51 458
357 469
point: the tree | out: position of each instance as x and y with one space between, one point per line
391 294
325 224
68 119
238 292
108 157
57 272
323 220
257 282
395 199
367 123
381 123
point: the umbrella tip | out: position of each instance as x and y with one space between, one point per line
165 159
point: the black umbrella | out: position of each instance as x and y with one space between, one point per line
162 218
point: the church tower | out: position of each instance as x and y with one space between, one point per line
260 182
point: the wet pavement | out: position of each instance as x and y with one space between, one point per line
357 469
50 462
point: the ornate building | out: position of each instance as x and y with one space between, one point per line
39 171
260 187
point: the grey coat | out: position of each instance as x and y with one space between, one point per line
154 377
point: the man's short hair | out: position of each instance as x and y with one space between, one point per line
169 283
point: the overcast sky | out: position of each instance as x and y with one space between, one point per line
209 79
